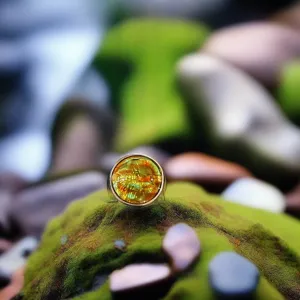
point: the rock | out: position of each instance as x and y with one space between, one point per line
16 258
206 170
288 91
82 131
94 223
108 160
147 42
255 193
5 245
36 205
231 275
182 246
241 124
263 60
15 286
134 281
120 245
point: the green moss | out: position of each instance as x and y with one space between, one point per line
289 91
138 59
94 223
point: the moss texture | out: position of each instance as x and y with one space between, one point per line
289 92
79 245
138 59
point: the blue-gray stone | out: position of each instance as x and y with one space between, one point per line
232 276
120 245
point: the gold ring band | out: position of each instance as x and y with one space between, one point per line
136 180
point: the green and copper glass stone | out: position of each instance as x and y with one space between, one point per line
137 180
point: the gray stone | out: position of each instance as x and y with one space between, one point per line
239 117
120 245
34 207
182 246
232 275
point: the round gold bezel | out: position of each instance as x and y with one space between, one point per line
159 193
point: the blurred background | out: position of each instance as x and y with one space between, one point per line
209 88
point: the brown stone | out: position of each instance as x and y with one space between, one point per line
14 287
259 48
35 206
140 281
206 170
182 246
82 131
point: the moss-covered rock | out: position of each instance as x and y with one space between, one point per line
138 59
78 246
289 91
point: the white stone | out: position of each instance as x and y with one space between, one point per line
255 193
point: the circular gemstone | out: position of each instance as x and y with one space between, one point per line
137 180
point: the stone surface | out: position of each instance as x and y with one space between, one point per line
255 193
182 246
203 169
137 180
94 223
232 275
108 160
262 60
35 206
239 118
138 280
14 287
82 131
146 43
16 257
120 245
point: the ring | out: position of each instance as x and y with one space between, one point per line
136 180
